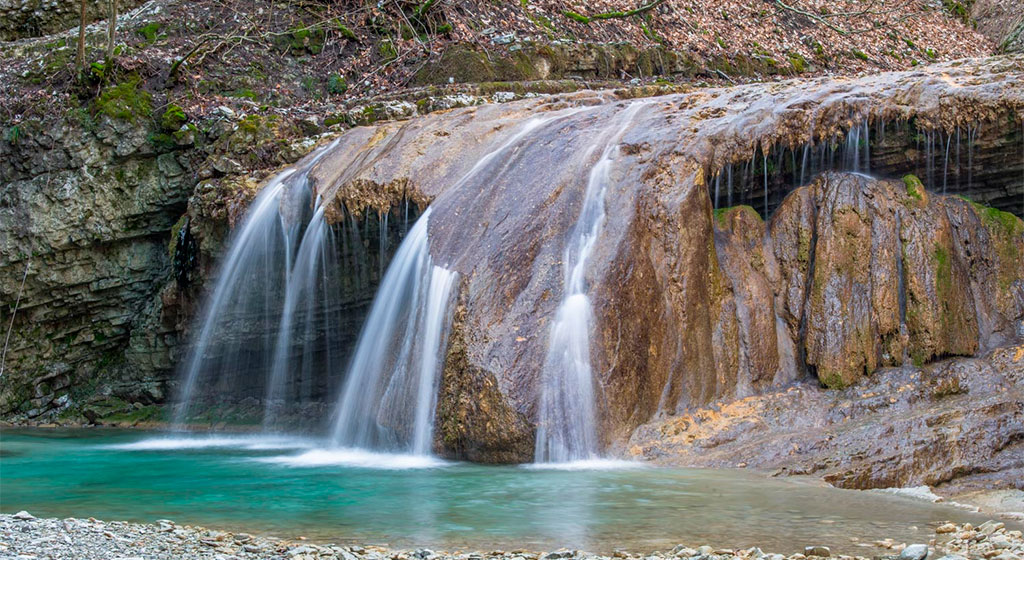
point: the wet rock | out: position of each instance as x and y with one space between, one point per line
819 551
24 515
914 552
909 446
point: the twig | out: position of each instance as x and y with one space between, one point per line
3 357
811 16
729 79
619 14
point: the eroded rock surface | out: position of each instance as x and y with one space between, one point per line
850 275
957 423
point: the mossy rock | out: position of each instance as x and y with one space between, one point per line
797 62
173 118
728 218
916 196
832 380
461 64
125 101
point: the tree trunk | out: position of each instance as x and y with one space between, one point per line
80 60
111 29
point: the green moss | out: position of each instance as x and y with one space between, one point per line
151 32
1006 230
798 62
173 118
915 191
832 380
944 285
387 50
119 411
345 32
162 142
307 39
336 84
242 93
998 220
575 16
803 252
335 119
124 101
175 231
722 215
859 54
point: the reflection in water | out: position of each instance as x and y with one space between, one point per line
274 485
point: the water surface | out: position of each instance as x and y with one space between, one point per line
290 486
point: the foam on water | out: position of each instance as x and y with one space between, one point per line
242 442
590 464
354 457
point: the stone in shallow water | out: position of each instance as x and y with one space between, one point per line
914 552
24 516
820 551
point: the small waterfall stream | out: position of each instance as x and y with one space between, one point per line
567 429
393 378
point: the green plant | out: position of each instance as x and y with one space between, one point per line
336 84
151 32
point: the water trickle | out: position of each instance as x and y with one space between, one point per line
971 133
803 163
764 164
567 429
728 170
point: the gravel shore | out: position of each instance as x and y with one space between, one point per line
23 536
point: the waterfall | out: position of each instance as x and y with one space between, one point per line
305 281
393 377
567 429
275 265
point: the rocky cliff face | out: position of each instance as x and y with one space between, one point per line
1002 21
86 215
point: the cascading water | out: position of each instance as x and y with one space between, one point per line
389 396
277 264
301 314
393 378
567 429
